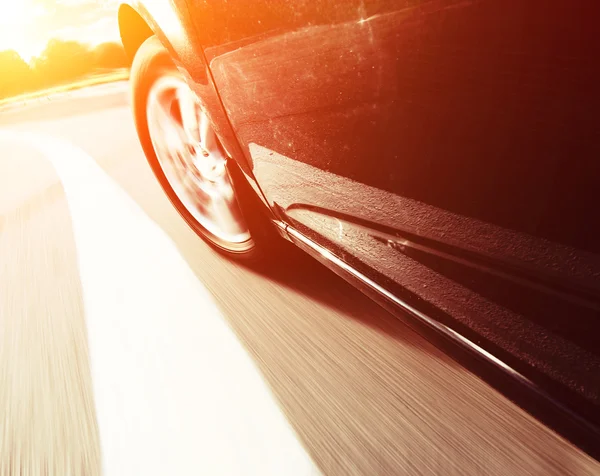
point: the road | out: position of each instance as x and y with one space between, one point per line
128 346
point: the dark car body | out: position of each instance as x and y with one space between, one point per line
444 155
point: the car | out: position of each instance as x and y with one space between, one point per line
442 155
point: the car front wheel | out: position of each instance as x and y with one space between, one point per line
185 154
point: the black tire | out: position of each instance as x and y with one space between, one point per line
150 63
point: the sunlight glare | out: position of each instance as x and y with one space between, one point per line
16 19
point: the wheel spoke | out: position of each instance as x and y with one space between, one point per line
171 130
189 110
207 136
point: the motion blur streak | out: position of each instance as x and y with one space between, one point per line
47 419
365 394
167 372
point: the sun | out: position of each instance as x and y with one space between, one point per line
17 18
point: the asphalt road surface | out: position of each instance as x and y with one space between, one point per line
127 346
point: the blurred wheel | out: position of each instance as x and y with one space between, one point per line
185 154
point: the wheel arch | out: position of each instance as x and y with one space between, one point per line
137 23
133 29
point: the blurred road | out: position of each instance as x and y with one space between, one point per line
128 347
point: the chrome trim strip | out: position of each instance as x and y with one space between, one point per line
437 326
281 228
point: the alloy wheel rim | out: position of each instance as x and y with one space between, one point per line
193 162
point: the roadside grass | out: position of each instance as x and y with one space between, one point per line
90 80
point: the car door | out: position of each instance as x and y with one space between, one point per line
449 150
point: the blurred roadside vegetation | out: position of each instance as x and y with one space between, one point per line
60 63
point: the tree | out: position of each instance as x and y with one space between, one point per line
15 74
63 60
110 55
60 62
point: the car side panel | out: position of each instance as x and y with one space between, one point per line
448 149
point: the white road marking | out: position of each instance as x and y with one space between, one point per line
175 391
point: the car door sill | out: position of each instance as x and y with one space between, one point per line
538 402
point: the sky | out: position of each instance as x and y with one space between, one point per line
27 25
